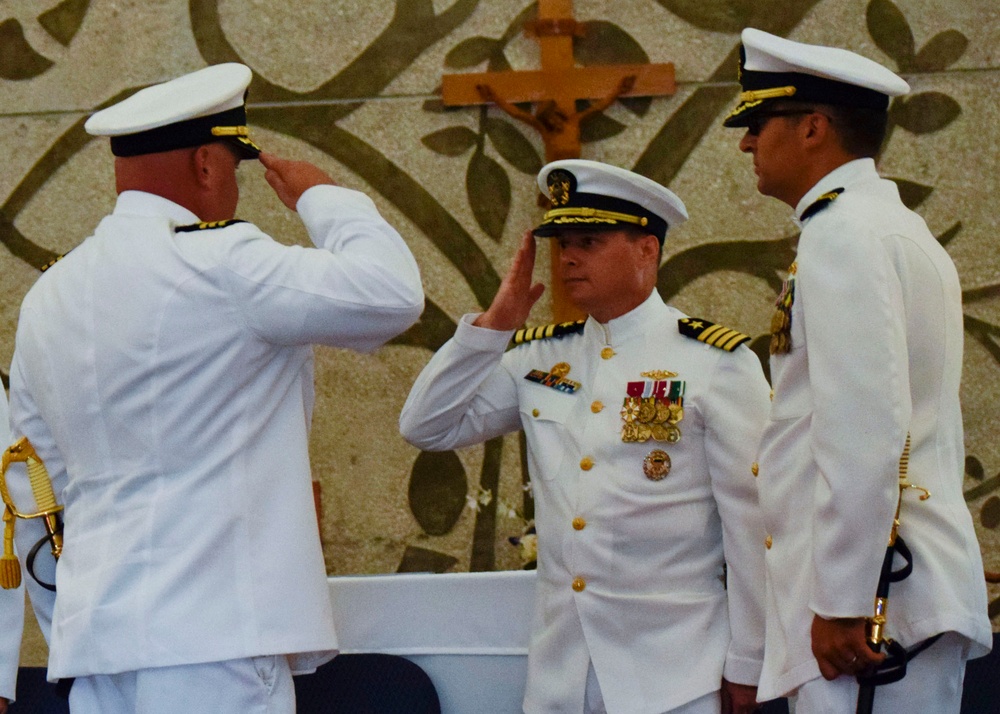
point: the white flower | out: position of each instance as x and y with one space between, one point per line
476 501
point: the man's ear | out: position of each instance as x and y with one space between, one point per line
816 129
203 166
651 247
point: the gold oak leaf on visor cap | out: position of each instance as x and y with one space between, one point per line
197 108
774 69
594 195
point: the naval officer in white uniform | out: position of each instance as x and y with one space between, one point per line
163 372
641 425
866 360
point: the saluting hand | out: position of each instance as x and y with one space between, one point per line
841 647
517 295
290 179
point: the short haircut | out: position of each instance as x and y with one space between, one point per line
861 130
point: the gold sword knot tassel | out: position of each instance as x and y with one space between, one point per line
10 568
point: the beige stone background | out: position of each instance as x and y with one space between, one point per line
353 85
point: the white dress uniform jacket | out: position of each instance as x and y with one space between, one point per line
11 602
630 570
11 627
876 352
166 380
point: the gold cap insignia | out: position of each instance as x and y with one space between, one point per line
560 185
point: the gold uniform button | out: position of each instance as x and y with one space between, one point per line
767 542
597 407
607 353
579 584
579 523
535 412
586 463
754 468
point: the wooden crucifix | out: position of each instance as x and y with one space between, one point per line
555 90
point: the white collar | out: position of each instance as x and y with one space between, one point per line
635 321
141 203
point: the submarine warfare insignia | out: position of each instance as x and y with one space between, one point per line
652 410
554 378
659 374
781 322
656 465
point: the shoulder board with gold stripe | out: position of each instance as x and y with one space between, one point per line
543 332
820 203
711 334
206 226
55 260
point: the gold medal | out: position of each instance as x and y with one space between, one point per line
630 410
659 432
662 412
676 413
779 321
647 410
673 434
630 433
644 432
560 370
656 465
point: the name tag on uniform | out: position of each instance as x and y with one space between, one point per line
553 381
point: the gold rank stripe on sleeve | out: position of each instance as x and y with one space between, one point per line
206 226
711 334
543 332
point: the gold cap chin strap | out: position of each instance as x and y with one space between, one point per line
240 133
45 502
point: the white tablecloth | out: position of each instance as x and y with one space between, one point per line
468 631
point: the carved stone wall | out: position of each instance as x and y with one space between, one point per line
352 86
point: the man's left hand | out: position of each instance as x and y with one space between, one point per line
840 646
738 698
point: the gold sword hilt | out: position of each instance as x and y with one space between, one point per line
41 487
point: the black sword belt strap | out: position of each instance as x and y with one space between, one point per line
893 668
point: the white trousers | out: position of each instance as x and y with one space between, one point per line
593 701
256 685
933 683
